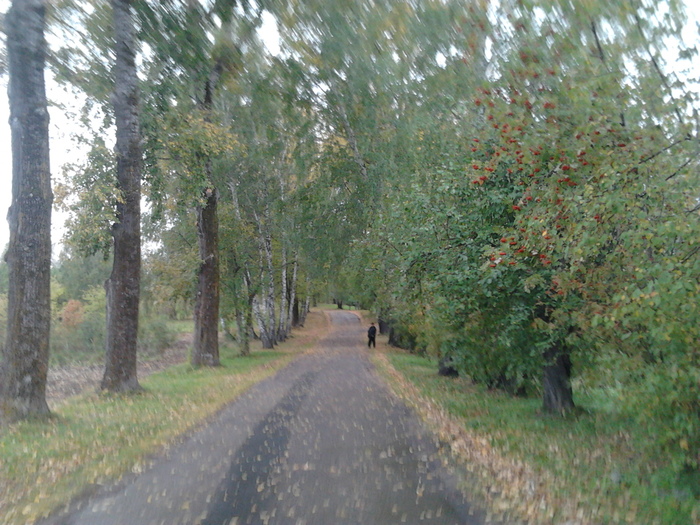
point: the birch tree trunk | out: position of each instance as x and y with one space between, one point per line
26 355
123 285
243 341
263 326
266 305
307 302
244 317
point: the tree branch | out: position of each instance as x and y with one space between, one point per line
601 56
654 62
679 169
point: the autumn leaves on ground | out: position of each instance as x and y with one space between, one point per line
95 439
586 472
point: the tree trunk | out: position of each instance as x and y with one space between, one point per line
307 302
293 314
383 326
265 331
558 397
205 345
284 309
265 312
243 341
244 317
123 285
249 325
296 314
258 303
270 296
206 312
26 354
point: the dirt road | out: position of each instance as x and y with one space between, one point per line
322 442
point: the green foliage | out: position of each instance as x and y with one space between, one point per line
191 141
74 274
556 203
156 335
90 195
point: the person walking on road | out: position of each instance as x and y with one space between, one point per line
372 336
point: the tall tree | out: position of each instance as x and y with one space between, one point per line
123 285
205 349
205 54
25 359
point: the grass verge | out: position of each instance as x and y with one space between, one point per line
530 468
94 439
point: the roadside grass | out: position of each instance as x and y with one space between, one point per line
96 439
590 468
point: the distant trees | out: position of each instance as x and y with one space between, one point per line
25 358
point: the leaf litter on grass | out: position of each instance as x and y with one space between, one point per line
592 467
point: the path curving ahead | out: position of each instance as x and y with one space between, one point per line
322 442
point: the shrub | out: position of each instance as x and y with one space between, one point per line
155 335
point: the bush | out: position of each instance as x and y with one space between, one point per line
155 335
79 332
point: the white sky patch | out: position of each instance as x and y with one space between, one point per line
269 33
440 59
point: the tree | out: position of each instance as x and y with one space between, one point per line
192 73
123 285
25 358
545 217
